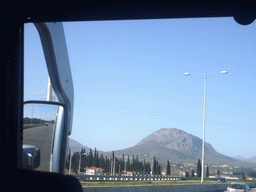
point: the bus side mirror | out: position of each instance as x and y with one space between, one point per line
31 156
44 135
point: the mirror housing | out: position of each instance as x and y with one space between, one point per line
45 126
31 156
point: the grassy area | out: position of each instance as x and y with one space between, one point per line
137 183
27 125
31 125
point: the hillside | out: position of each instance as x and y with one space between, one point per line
179 146
76 146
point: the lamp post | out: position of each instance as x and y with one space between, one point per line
205 74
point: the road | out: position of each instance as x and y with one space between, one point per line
40 136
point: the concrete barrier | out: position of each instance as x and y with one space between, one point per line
164 188
119 177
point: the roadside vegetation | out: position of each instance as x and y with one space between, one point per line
142 183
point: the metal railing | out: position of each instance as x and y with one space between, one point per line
119 177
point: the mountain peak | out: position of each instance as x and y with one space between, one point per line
173 138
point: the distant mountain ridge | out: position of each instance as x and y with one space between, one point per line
175 145
240 158
250 159
179 146
76 146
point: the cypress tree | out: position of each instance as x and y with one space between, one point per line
101 161
90 159
113 155
137 164
193 173
94 158
122 164
218 174
75 161
207 171
133 163
107 168
128 164
148 168
243 176
97 159
154 165
199 168
83 159
159 169
144 166
168 168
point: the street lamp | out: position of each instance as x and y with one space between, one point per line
205 74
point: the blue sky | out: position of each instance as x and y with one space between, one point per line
129 80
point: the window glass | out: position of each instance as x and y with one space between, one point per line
129 82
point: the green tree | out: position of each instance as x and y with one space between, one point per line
154 165
159 169
133 163
97 159
199 168
187 174
128 167
75 161
218 174
148 168
83 159
94 158
243 176
207 171
101 161
144 167
106 165
123 162
90 159
193 173
168 168
137 165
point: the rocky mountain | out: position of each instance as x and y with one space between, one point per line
175 145
179 146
